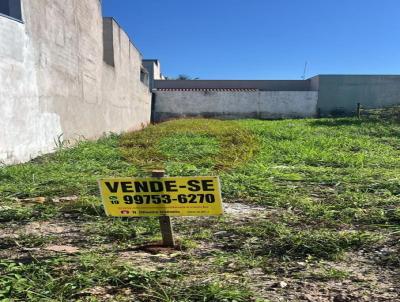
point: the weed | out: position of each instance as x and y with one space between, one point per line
70 171
121 230
198 292
24 213
279 240
62 279
330 274
208 145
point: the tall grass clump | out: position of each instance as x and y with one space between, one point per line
194 144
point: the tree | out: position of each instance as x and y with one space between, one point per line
182 77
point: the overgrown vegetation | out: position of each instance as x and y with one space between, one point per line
190 146
327 193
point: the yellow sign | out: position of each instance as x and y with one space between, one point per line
166 196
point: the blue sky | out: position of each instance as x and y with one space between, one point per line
264 39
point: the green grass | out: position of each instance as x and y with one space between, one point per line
331 274
62 279
190 146
66 172
330 187
279 240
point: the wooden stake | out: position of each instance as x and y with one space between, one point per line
165 221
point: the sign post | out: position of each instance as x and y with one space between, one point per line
163 197
167 231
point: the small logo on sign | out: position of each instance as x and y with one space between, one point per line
125 212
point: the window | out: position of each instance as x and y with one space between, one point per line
11 8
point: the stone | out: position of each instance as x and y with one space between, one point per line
283 284
39 200
62 249
65 199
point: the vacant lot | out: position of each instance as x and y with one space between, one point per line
312 214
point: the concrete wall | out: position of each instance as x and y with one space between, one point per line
128 99
235 104
339 94
53 80
26 127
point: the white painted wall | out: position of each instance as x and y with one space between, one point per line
53 79
235 104
128 97
26 129
282 104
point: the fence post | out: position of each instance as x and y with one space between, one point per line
318 112
165 221
359 110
